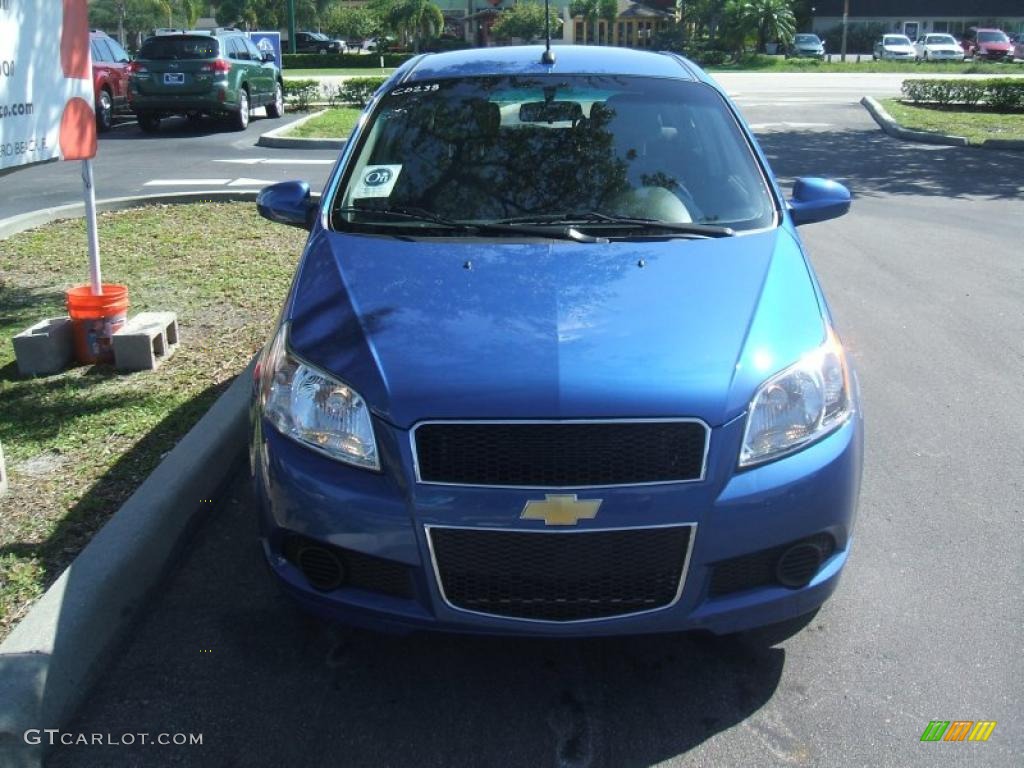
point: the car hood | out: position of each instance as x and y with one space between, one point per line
995 46
899 48
468 328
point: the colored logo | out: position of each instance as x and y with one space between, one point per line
561 509
377 177
958 730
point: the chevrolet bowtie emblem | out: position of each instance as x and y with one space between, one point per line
561 509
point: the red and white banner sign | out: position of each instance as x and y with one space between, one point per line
46 98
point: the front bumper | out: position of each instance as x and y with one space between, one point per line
386 515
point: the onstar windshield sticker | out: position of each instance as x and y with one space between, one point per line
377 181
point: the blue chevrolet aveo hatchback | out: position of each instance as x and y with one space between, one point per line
554 362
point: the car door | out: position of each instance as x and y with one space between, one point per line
264 71
118 71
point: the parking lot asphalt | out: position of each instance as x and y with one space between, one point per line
926 281
182 156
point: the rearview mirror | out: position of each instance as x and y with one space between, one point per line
817 199
287 203
550 112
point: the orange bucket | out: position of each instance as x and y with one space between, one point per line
95 319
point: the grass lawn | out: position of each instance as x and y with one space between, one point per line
345 72
335 123
974 124
79 443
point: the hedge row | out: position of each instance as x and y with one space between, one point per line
342 60
999 94
355 91
359 90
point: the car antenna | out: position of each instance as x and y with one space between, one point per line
548 57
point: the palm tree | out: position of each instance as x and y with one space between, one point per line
415 19
772 19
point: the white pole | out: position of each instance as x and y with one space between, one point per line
90 223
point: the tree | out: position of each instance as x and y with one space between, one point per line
410 19
140 17
191 10
351 23
525 20
769 19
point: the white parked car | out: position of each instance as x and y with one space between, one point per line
894 47
938 48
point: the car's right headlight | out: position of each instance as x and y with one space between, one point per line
798 405
314 408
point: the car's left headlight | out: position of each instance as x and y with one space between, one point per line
798 405
314 408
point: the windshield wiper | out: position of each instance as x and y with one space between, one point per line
412 213
595 217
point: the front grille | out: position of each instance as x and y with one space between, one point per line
566 576
560 454
759 569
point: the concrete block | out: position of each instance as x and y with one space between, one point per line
45 348
145 341
3 472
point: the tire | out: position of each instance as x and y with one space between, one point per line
321 51
104 111
240 119
275 108
149 122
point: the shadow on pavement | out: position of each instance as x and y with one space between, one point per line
223 654
873 163
180 127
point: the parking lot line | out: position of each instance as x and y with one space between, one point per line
277 161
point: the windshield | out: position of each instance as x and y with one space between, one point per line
940 40
812 39
553 147
318 36
992 37
204 47
896 40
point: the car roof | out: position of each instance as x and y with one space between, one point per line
569 59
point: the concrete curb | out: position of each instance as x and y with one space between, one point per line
893 128
33 219
55 653
278 140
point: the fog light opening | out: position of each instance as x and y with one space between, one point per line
798 564
322 568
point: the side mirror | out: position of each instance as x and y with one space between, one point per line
817 199
287 203
268 56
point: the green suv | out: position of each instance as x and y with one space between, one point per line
204 73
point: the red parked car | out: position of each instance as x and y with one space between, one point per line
980 43
109 78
